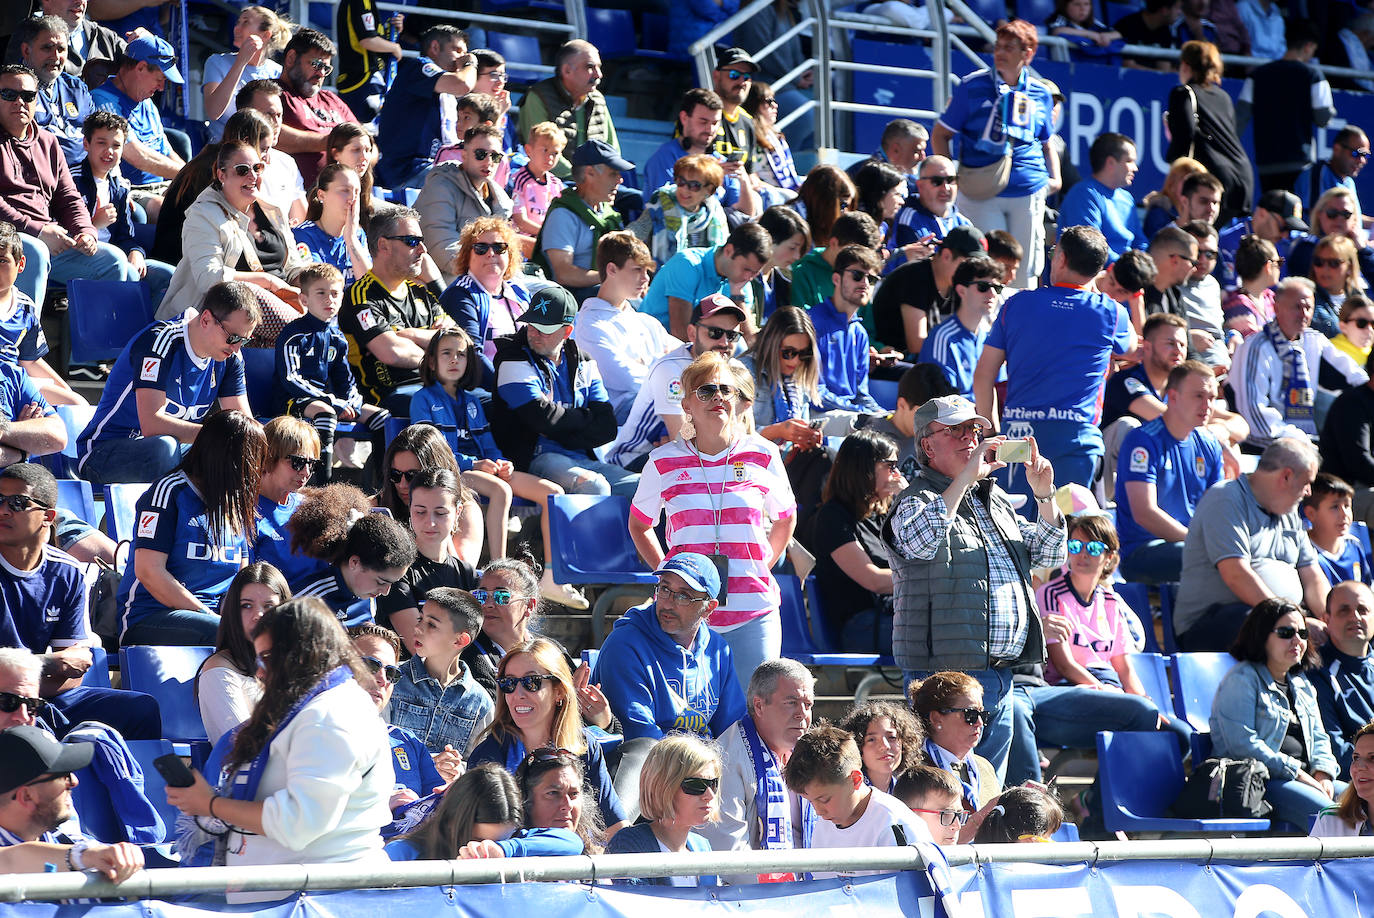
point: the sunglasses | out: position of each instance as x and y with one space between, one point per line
791 353
1191 261
500 597
1286 632
494 155
947 817
690 184
1095 548
1361 323
739 74
550 754
243 170
409 241
695 787
729 334
711 390
230 338
395 475
965 430
861 276
971 715
301 463
984 286
1358 154
663 592
321 65
531 683
390 671
495 248
1207 254
496 76
1319 262
939 181
1334 214
27 96
10 702
20 503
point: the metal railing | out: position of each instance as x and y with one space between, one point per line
290 878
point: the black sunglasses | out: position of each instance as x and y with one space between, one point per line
230 338
390 671
10 702
729 334
409 241
984 286
1333 214
942 180
971 715
695 787
711 390
1361 323
19 503
550 754
690 184
856 276
1286 632
532 683
395 475
301 463
791 353
322 65
494 155
27 96
496 248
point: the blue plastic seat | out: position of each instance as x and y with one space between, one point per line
1036 12
592 547
805 637
103 316
98 676
74 420
1141 775
75 497
1137 596
1195 677
259 371
1153 672
517 50
990 11
119 515
612 31
169 675
884 392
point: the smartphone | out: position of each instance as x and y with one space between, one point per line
174 770
735 156
817 425
1014 451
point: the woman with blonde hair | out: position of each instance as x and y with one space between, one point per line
1202 124
1336 272
486 299
1350 815
1336 213
678 791
1161 205
259 33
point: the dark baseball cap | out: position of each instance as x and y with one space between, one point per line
27 753
598 152
714 303
735 57
550 309
965 240
1286 206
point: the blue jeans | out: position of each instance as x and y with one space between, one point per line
173 628
585 476
752 643
1154 563
1297 803
144 459
997 735
135 715
867 631
40 267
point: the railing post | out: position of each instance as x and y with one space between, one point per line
939 55
820 47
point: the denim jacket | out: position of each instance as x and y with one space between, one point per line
1250 717
439 715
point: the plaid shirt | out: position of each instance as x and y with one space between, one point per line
920 529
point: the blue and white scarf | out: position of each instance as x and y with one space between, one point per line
1011 119
946 760
1298 394
770 797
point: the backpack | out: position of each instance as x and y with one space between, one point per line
1224 788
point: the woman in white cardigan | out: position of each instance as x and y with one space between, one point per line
231 233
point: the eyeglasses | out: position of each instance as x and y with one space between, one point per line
690 184
964 431
482 153
499 597
1207 254
243 170
947 817
729 334
791 353
1320 262
891 466
495 248
1191 261
531 683
739 74
65 776
711 390
984 286
409 241
10 702
20 503
390 671
695 787
971 715
496 76
230 338
663 592
301 463
321 65
939 181
1277 261
1361 323
27 96
861 276
1095 548
395 475
1286 632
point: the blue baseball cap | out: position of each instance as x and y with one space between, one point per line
156 51
698 571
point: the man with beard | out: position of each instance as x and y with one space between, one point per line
64 102
732 79
309 110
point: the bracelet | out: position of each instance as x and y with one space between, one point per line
211 807
1041 500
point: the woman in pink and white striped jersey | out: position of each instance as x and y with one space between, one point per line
725 494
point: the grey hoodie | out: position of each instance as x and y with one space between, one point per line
447 203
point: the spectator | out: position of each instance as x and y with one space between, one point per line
1336 213
732 79
813 277
282 184
1276 217
684 213
841 340
1239 550
777 26
928 216
1200 295
1350 815
1199 198
656 412
987 142
889 738
624 342
571 100
350 143
694 274
1356 317
332 230
880 191
826 195
1294 97
1335 273
487 296
231 226
1202 125
1174 253
933 794
419 447
1102 201
363 555
37 196
1280 366
1349 153
1074 19
1326 511
662 669
1161 205
677 793
456 194
917 297
174 370
1059 406
786 374
1250 306
367 40
325 775
505 624
310 111
953 718
747 616
35 429
1344 681
142 70
414 123
88 42
942 619
293 449
1266 709
23 346
775 154
698 132
64 102
1007 252
534 186
791 239
226 686
580 216
1022 814
258 34
1194 25
1265 24
1166 464
956 343
1153 27
1347 449
1125 280
192 535
1353 43
1138 392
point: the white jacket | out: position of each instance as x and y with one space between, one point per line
1257 380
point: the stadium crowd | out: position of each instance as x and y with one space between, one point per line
977 389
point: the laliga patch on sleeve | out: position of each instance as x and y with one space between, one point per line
151 367
366 319
147 524
369 21
432 69
1140 459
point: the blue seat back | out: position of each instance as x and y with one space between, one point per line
75 497
612 31
394 426
259 370
884 392
826 641
796 626
169 675
103 316
1140 774
1153 672
1137 596
154 788
990 11
98 676
591 540
1195 677
1168 593
517 50
74 420
1036 12
119 514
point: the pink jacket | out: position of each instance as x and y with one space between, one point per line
36 187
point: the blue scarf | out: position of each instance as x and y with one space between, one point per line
1298 395
1012 117
770 798
944 759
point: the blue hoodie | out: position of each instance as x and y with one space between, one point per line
655 685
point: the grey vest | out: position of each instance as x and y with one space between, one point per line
942 605
563 112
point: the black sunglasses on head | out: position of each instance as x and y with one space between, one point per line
10 702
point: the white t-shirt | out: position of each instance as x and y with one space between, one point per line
873 830
282 184
624 343
1329 825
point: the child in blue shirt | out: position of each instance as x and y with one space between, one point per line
365 557
1328 513
314 380
21 333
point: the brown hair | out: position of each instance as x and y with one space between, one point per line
472 372
1351 808
1203 59
701 167
825 753
566 730
939 691
1098 528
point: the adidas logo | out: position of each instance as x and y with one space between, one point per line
683 476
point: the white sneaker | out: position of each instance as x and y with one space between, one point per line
562 593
